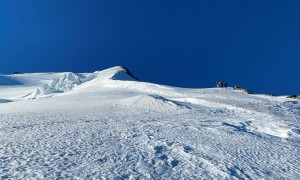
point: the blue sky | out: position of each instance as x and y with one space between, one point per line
255 44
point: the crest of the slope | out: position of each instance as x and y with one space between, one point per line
116 73
68 81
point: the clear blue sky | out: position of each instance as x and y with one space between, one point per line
193 43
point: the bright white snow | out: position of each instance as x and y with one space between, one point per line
108 125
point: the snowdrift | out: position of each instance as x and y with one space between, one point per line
114 73
152 103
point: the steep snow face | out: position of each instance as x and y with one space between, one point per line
107 125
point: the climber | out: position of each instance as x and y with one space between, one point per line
225 84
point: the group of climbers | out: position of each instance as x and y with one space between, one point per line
221 84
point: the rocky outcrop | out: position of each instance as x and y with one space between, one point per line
129 73
294 97
242 89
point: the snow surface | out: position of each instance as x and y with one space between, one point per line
106 125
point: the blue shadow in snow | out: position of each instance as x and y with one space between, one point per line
242 127
8 81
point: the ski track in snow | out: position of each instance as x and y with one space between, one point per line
111 129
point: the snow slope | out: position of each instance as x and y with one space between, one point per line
108 125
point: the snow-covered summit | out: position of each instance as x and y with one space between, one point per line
108 125
116 73
68 81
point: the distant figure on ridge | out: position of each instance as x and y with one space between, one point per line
219 84
225 84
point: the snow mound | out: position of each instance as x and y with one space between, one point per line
258 127
123 74
116 73
64 82
152 103
105 77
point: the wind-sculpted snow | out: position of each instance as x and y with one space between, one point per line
152 103
101 127
64 82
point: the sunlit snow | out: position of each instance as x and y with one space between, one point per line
108 125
